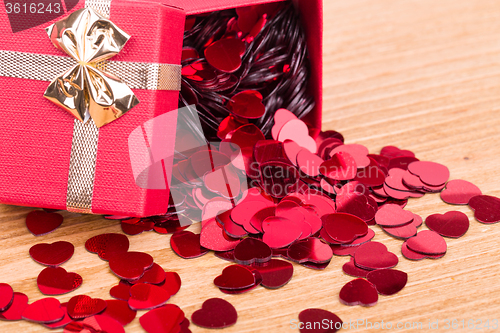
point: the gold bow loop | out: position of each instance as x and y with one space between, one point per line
85 90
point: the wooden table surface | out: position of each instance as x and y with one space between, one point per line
422 75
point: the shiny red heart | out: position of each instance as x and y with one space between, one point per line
486 208
215 313
406 231
427 242
230 123
247 104
187 245
277 178
359 292
258 281
371 175
83 306
252 250
296 130
172 283
165 319
120 311
312 318
351 269
121 291
56 281
100 323
232 229
64 321
275 273
459 192
280 231
388 281
40 222
356 204
17 307
309 163
391 215
358 152
374 255
137 228
243 212
45 311
235 277
225 54
154 275
130 265
147 296
393 152
6 296
412 255
107 245
343 227
281 117
431 173
340 166
214 238
53 254
310 249
452 224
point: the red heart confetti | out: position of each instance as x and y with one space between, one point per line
64 321
225 54
280 231
388 281
427 242
351 269
147 296
45 311
235 277
107 245
6 296
172 283
165 319
319 321
40 222
57 281
100 323
214 238
154 275
374 255
119 311
406 231
17 307
252 250
358 152
130 265
310 249
121 291
275 273
215 313
412 255
391 215
431 173
247 104
187 245
359 292
53 254
83 306
486 208
343 227
459 192
341 166
452 224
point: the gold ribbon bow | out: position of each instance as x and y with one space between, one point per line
84 90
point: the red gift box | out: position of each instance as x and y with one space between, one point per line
37 137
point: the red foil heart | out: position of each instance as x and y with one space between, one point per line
147 296
486 208
252 250
107 245
235 277
187 245
431 173
374 255
319 321
275 273
225 54
247 104
359 292
214 238
53 254
83 306
280 232
406 231
130 265
40 222
388 281
452 224
121 291
100 323
351 269
412 255
6 296
56 281
343 227
310 249
172 283
64 321
390 215
45 311
16 309
459 192
165 319
154 275
341 166
427 242
215 313
358 152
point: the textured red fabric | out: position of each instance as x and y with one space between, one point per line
35 134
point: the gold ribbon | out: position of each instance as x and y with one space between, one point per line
84 90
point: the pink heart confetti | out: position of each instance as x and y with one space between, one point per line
459 192
427 242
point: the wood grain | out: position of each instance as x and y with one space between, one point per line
418 74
